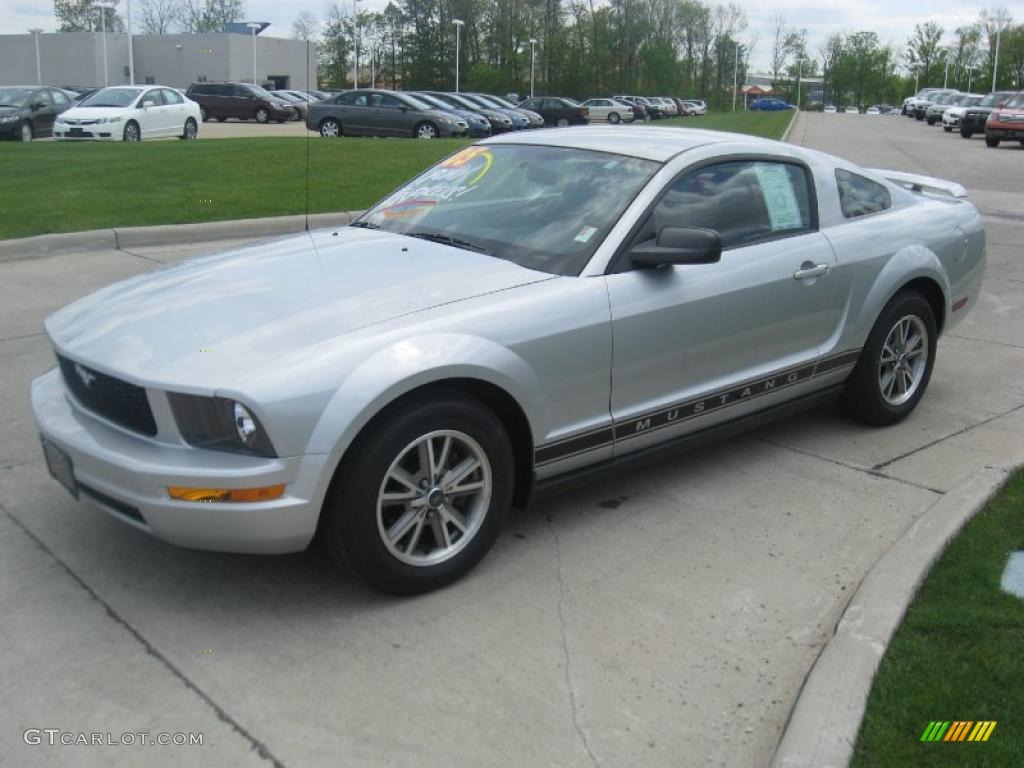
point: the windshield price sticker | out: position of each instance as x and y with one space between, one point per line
777 190
448 180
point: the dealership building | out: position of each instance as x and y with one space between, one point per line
77 59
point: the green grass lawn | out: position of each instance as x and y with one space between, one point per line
959 655
57 187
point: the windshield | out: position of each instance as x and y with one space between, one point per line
501 102
544 208
14 97
433 101
489 101
112 97
261 92
1016 101
415 101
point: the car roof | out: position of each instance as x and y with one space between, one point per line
648 143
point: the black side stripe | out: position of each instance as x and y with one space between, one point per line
673 414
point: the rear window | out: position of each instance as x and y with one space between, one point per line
859 196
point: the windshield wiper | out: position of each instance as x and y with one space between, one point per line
365 225
439 237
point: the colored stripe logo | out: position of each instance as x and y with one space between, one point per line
958 730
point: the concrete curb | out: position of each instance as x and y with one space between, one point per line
167 234
824 723
792 122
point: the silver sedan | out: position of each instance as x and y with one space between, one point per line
538 307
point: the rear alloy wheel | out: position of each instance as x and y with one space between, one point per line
421 496
131 132
613 117
330 128
896 363
426 131
191 130
261 115
25 132
563 122
991 142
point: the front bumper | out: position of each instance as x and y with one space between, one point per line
94 132
1013 132
11 128
127 476
950 121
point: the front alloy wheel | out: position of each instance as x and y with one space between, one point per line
330 129
25 134
426 131
420 496
434 497
131 132
262 115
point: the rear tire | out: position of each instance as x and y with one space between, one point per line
872 395
947 129
613 117
204 114
562 122
221 119
432 536
190 131
965 134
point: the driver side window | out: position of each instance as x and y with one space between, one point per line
743 201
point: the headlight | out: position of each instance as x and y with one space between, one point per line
220 424
8 118
444 121
103 120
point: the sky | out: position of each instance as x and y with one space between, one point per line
893 20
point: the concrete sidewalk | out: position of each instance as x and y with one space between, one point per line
664 618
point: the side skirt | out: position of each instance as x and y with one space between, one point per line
553 486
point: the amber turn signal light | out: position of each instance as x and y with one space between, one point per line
267 493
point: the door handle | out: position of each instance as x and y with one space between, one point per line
807 269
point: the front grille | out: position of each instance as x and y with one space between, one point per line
113 399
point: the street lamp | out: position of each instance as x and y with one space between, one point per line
253 26
103 6
1001 20
458 29
735 73
970 75
36 32
355 45
799 75
533 62
131 51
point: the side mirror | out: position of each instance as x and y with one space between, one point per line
38 105
678 245
147 104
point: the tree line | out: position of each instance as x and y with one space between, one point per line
689 48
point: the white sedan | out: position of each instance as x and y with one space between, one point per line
130 113
609 110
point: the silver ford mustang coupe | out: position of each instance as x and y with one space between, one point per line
534 308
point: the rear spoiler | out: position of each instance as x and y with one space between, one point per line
926 185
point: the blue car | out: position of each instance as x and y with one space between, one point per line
479 127
519 120
770 105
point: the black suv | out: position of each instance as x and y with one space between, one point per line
242 100
557 111
974 117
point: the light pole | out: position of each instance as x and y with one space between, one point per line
457 23
1001 20
799 76
533 62
735 73
970 75
253 26
36 32
131 51
103 32
355 45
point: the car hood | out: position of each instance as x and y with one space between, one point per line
92 113
212 321
4 111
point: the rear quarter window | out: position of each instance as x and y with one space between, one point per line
860 196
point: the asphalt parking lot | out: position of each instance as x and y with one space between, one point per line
666 617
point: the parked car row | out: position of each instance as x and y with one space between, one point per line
998 115
874 109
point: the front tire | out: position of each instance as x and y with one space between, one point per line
991 142
131 132
426 131
896 364
421 496
25 133
261 115
330 128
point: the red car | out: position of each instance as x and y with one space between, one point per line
1006 122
